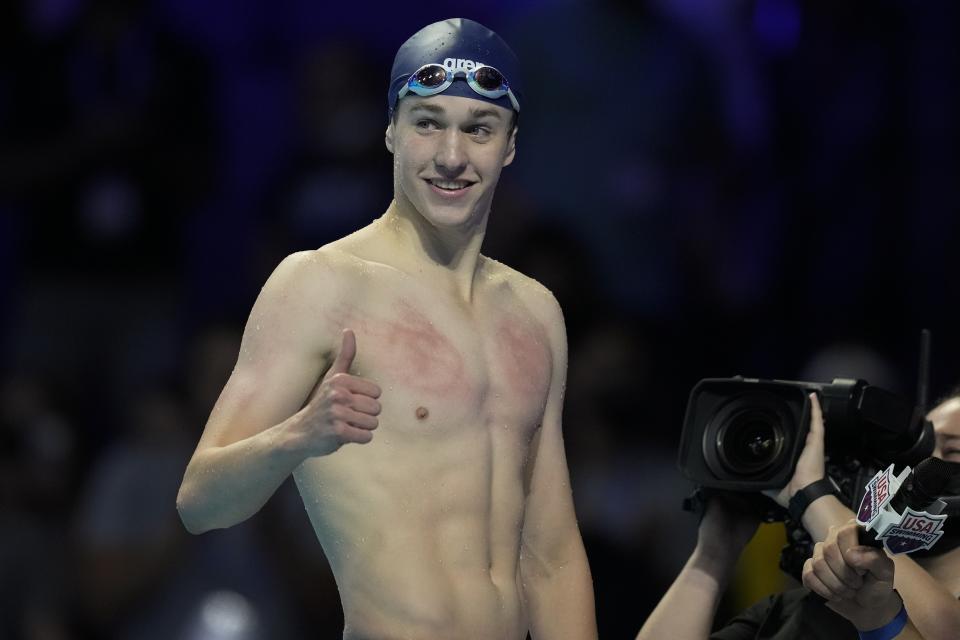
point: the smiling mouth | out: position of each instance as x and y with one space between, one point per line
450 186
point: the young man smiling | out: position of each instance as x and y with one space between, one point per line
454 519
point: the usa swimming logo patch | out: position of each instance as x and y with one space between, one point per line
916 530
877 497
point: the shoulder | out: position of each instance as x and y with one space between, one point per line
532 292
302 295
300 310
326 270
539 301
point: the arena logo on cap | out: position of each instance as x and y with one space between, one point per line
461 64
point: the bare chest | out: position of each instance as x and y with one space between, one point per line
448 369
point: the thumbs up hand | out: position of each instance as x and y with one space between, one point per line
343 408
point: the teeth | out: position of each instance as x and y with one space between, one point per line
450 184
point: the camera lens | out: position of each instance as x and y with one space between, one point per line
750 441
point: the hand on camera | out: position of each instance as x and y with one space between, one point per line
810 464
343 408
727 526
857 581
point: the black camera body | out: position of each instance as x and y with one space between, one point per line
745 434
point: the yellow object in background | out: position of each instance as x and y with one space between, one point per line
758 572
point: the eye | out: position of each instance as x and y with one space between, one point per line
426 124
479 131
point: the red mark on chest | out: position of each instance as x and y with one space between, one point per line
406 345
429 360
523 355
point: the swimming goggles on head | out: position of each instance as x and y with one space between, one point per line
431 79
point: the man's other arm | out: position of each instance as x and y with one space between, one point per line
558 588
260 429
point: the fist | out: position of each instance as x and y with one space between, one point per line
343 408
856 581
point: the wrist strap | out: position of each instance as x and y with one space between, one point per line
801 499
889 630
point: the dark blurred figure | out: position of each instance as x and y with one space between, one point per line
139 575
37 475
559 260
633 95
333 182
128 541
105 141
288 539
622 465
208 361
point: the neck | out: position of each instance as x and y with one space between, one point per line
451 254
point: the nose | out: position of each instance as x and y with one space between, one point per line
451 158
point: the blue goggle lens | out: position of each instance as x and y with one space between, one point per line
489 79
430 76
431 79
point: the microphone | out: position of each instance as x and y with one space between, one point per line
905 513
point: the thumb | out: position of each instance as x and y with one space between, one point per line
872 561
816 418
348 350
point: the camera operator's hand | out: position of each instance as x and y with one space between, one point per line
857 581
727 526
810 465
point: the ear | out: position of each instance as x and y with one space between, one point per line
388 137
511 147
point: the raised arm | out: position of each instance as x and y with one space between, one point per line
263 426
553 564
933 609
687 609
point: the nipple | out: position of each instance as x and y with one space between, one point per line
422 413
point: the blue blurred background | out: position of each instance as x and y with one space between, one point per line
709 187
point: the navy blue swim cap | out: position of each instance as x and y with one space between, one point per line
453 43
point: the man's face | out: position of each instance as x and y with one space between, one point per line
448 152
946 425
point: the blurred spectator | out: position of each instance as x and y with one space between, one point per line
139 575
37 472
106 145
559 260
128 537
622 136
627 489
209 358
338 176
